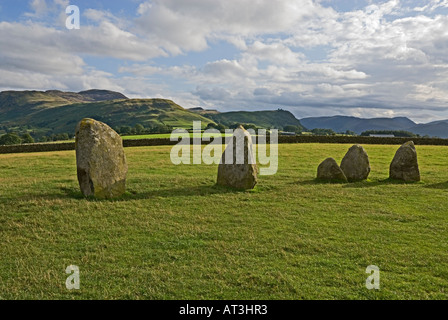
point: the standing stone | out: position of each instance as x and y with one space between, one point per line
100 160
238 168
404 166
355 164
329 170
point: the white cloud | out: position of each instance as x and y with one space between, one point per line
39 7
388 58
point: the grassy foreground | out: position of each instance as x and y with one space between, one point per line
177 236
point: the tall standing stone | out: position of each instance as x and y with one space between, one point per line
238 168
100 160
330 171
355 164
404 166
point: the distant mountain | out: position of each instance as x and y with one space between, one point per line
432 129
358 125
264 119
16 105
57 111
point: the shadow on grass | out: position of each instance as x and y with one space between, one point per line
359 184
131 194
441 185
318 182
369 183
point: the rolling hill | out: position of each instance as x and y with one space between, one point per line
53 111
433 129
16 105
57 111
118 113
358 125
265 119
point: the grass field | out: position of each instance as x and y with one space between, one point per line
175 235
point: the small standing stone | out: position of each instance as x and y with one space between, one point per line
330 170
100 160
355 164
404 166
238 168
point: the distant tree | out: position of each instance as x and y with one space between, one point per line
245 125
60 137
291 128
397 133
9 139
160 128
27 138
211 125
139 129
323 132
218 126
350 133
234 125
125 130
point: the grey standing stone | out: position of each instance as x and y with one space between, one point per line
100 160
355 164
329 170
238 168
404 166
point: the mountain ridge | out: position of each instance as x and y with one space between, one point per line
358 125
58 111
55 111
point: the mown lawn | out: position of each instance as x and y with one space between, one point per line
176 235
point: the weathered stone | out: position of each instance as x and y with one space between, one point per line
355 164
238 168
330 170
100 160
404 166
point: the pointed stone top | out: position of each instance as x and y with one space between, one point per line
409 144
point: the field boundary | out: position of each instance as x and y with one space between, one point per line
64 146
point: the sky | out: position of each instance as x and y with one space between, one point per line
314 58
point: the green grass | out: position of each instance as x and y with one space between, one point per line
175 235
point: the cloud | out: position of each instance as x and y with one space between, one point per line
181 26
39 8
387 58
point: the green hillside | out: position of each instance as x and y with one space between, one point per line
16 105
264 119
55 112
20 106
117 113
